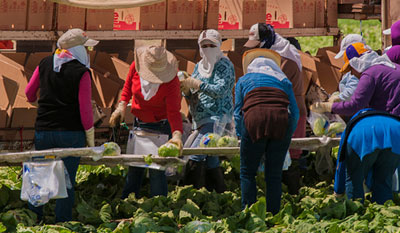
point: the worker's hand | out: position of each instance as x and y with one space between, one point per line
191 83
321 107
177 140
185 90
118 116
334 97
90 137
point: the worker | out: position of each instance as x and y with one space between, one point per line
64 119
209 92
264 36
348 83
378 88
266 116
153 86
394 54
370 144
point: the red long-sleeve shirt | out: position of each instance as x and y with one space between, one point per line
166 104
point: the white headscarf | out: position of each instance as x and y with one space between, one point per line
209 55
368 59
266 66
62 56
286 50
148 89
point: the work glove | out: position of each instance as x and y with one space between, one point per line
118 116
90 137
177 140
321 107
191 83
334 97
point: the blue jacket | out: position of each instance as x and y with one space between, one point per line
251 81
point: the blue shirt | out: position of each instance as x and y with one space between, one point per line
214 101
347 86
367 135
251 81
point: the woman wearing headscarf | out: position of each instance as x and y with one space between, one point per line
378 88
266 116
209 91
153 87
263 35
64 118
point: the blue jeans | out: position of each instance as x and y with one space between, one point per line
382 163
211 161
250 156
158 179
61 139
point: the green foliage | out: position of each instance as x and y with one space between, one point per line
227 141
371 30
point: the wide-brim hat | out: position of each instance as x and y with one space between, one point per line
252 54
155 64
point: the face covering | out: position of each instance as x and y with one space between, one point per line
148 89
210 57
62 56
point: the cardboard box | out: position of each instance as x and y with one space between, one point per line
14 73
3 118
328 54
184 107
118 69
23 113
106 120
230 14
70 17
153 17
19 58
351 1
253 12
179 14
332 15
108 90
127 19
291 13
13 14
40 15
319 13
99 19
212 14
34 60
129 117
8 92
236 59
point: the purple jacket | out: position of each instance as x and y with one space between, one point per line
379 88
394 54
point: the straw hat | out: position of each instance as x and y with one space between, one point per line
250 55
155 64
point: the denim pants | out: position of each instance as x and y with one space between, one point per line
61 139
211 161
158 179
382 163
250 156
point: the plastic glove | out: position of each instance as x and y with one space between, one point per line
191 83
334 97
118 116
90 137
177 139
321 107
185 90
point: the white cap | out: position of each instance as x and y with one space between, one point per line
347 41
74 37
387 32
210 35
254 37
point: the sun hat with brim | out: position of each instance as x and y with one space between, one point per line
75 37
348 40
210 35
155 64
353 50
252 54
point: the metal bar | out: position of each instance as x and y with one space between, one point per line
161 34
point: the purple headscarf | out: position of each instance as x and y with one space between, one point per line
394 54
395 33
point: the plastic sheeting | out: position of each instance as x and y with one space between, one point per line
107 4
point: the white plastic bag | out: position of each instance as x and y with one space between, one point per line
327 124
43 180
223 135
287 162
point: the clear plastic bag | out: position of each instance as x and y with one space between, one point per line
326 124
44 180
223 135
107 149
